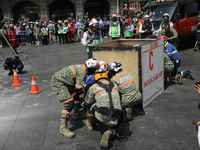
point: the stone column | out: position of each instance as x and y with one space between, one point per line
79 8
113 7
44 11
7 10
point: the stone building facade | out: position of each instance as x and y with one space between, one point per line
48 9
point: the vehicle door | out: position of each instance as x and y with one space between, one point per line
181 24
192 15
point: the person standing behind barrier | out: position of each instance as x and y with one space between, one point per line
165 20
105 28
45 34
28 37
18 32
71 30
92 36
66 32
13 38
52 32
37 34
5 33
139 23
128 30
56 28
146 29
80 27
60 32
86 24
114 30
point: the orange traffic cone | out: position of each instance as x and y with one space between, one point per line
35 89
16 81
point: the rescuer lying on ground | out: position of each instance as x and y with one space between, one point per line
13 63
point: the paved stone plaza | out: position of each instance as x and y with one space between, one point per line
31 122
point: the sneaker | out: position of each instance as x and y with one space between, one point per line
29 43
189 74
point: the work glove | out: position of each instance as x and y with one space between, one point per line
78 91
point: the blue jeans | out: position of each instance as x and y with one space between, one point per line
28 38
176 65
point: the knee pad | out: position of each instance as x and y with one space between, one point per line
69 105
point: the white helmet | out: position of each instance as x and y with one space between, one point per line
103 65
146 16
93 22
92 63
114 15
116 66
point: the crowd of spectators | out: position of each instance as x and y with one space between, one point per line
27 33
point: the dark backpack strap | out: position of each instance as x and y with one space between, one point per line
108 88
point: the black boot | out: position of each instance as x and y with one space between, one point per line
11 72
189 74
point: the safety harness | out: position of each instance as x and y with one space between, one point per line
107 111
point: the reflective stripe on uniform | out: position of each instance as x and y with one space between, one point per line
90 115
67 101
174 52
73 71
78 86
115 90
100 92
125 83
81 96
119 75
113 131
182 75
65 112
76 102
83 67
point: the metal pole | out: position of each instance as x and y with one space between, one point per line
117 6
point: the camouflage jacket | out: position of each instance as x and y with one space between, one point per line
97 96
172 34
72 75
168 64
126 85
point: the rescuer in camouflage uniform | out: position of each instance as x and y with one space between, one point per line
130 96
104 108
67 85
168 66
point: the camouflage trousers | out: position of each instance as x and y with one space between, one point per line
131 99
64 95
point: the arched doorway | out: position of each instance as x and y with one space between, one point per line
1 14
96 8
61 9
25 8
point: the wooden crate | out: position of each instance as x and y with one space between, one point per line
135 56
